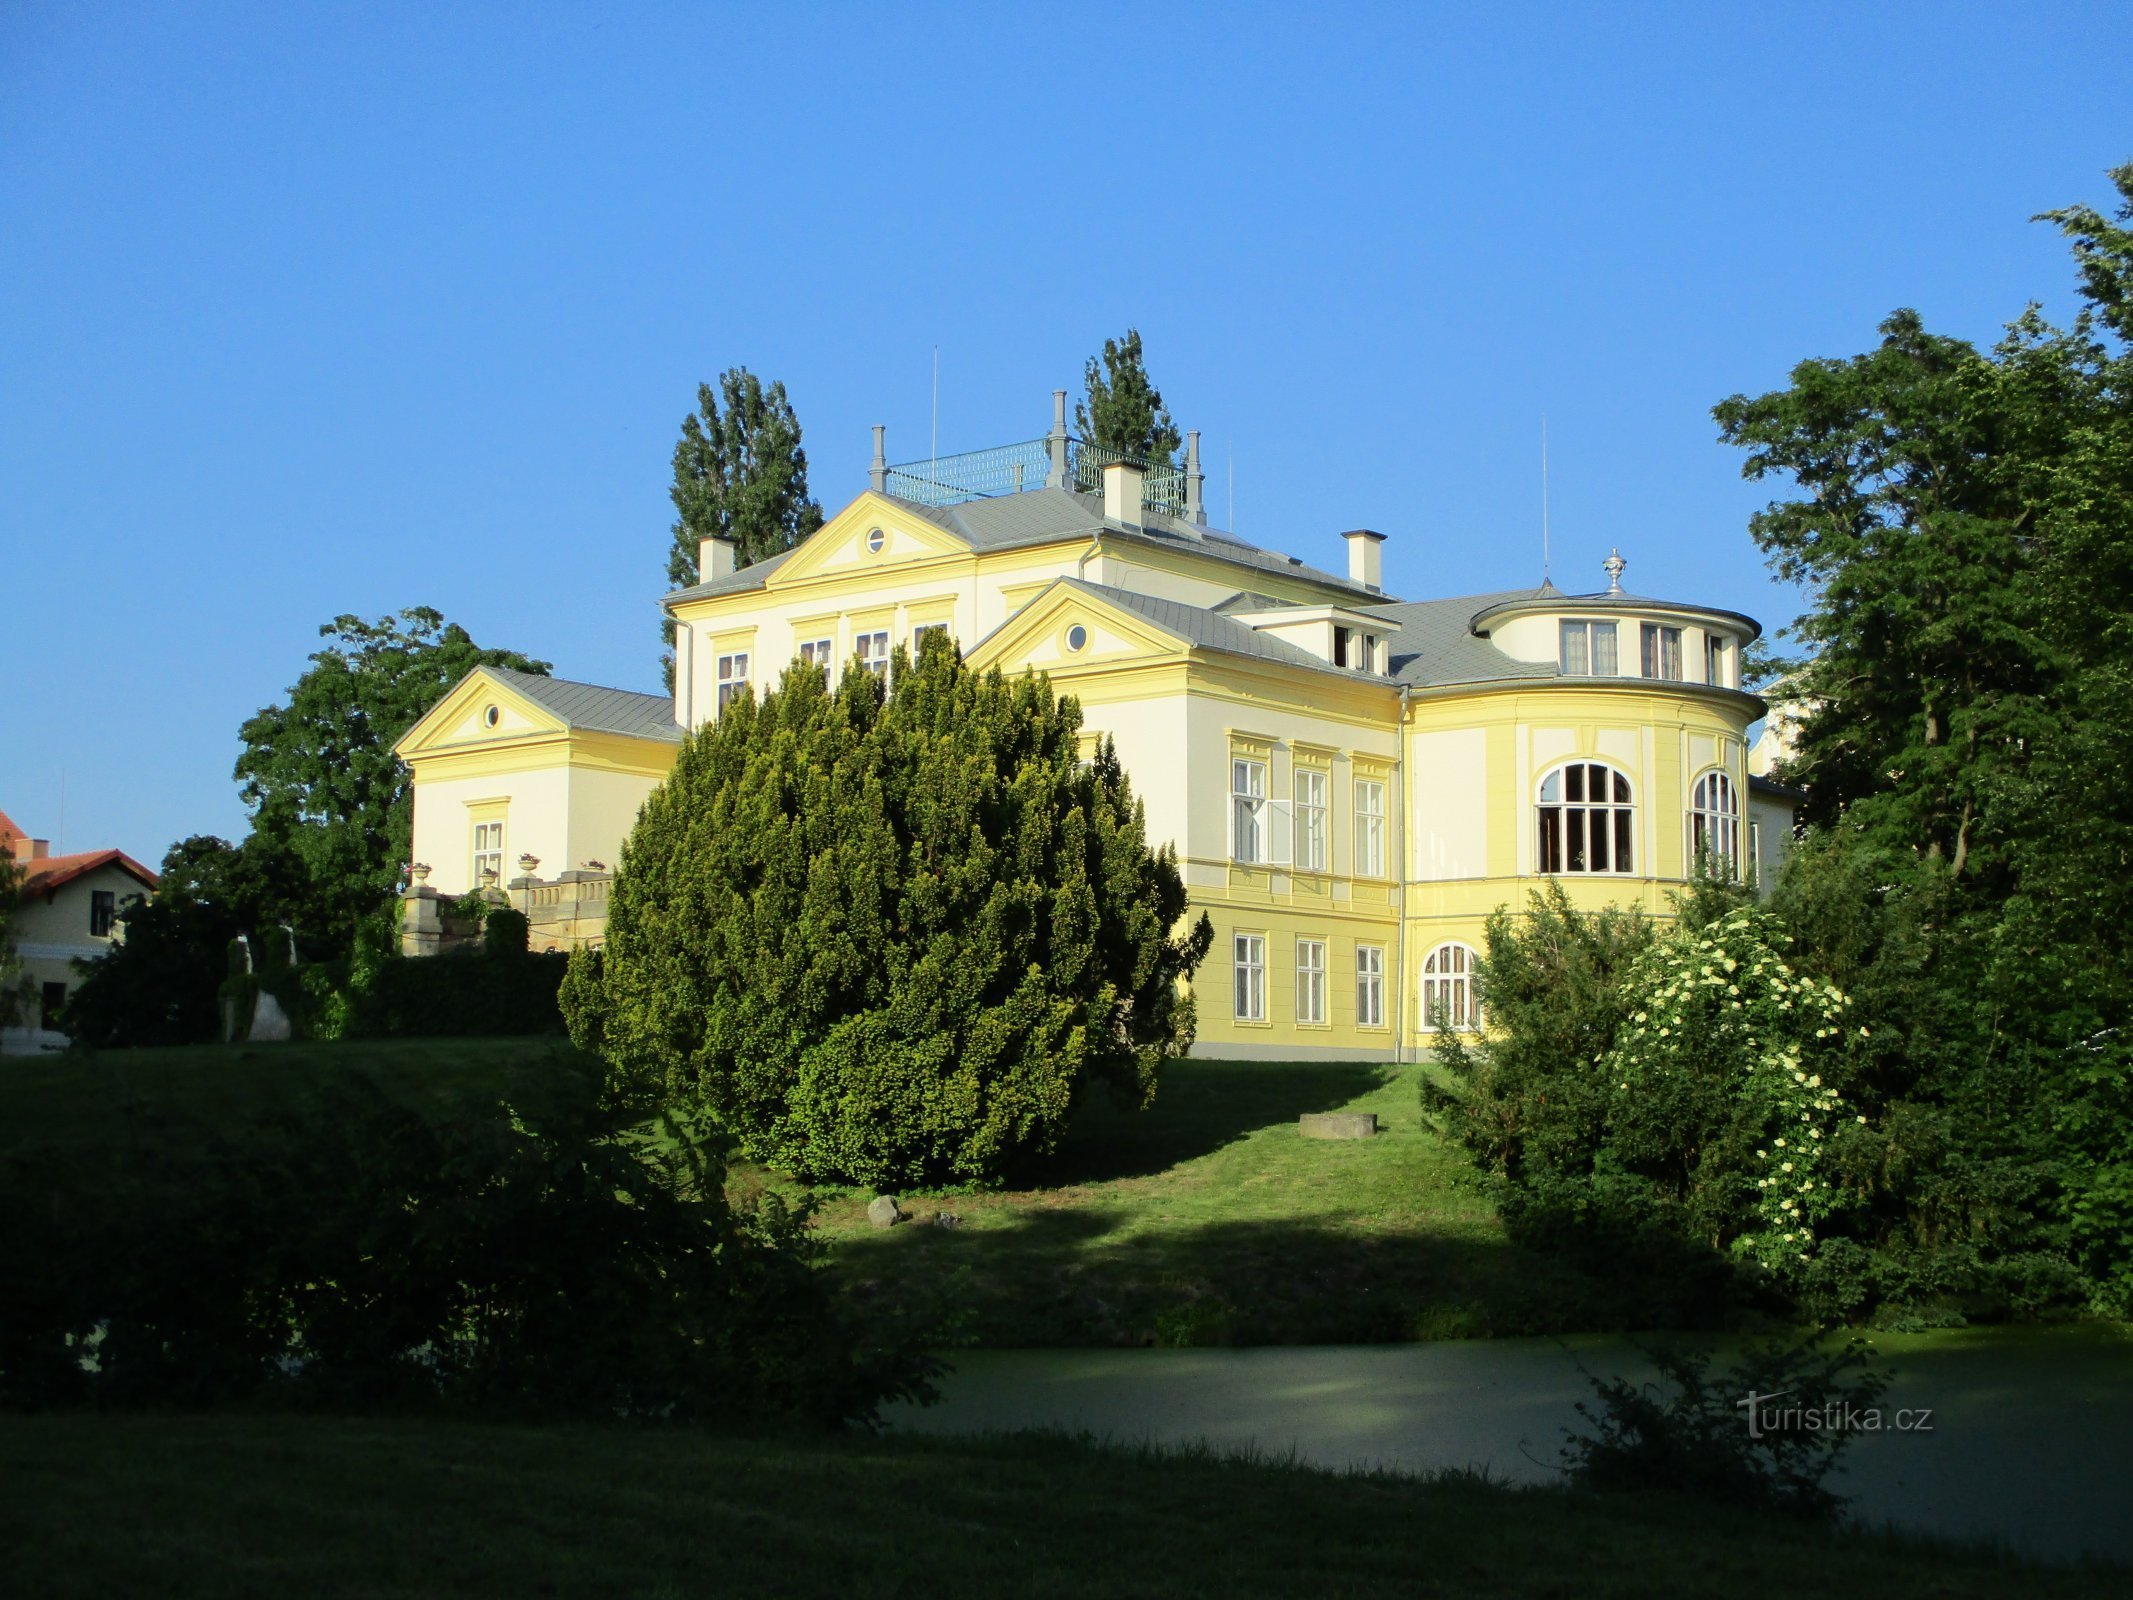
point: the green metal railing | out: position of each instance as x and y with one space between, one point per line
1014 468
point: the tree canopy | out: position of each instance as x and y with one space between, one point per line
890 938
318 771
1123 410
1961 521
739 474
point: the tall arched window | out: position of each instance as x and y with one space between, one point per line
1587 823
1448 987
1714 822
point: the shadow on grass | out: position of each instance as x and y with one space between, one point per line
1200 1106
1072 1277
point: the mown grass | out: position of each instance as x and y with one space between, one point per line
189 1506
1208 1220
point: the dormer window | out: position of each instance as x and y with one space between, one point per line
1341 639
1662 652
1588 650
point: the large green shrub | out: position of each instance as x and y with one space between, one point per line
461 994
889 938
533 1253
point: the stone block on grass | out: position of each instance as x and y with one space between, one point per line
1338 1124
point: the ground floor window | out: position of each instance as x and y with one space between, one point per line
1448 988
873 651
1370 985
1249 958
1310 980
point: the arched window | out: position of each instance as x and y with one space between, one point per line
1714 823
1587 823
1448 987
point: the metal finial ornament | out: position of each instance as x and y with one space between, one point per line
1614 566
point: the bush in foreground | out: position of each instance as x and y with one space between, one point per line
525 1254
890 939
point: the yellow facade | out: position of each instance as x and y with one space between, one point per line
1352 783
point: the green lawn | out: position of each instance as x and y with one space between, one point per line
1209 1220
317 1506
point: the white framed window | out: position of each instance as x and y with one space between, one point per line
1588 650
1370 986
1247 793
732 676
819 653
918 633
488 853
1248 958
1714 823
1714 660
1448 988
1310 980
872 649
1662 652
1310 819
1588 822
1369 828
1755 849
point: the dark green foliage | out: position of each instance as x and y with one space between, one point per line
503 932
579 998
458 995
360 1249
14 987
1123 410
1690 1434
891 940
326 791
1963 522
739 474
160 985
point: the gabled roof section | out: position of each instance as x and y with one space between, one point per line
9 833
1046 516
52 873
1435 643
1203 629
594 708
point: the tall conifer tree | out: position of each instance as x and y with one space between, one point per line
739 474
1123 410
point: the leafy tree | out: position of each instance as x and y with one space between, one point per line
1962 521
319 773
1123 410
739 474
14 987
889 939
158 985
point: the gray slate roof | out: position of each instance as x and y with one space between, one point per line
1435 644
594 708
1042 516
1210 630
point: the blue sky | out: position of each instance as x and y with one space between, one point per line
316 309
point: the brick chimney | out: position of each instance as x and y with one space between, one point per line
1365 558
714 559
1122 493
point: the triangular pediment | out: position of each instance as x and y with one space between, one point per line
1043 634
480 709
872 534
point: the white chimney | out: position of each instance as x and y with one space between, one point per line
1365 559
714 559
1122 493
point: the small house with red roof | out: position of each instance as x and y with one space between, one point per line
68 910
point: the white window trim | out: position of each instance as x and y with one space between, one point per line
1566 805
1370 980
1726 822
1311 983
1249 800
1248 977
1457 981
1310 820
1369 848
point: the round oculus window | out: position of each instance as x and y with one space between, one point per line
875 540
1077 637
492 717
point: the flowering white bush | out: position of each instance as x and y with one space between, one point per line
1718 1012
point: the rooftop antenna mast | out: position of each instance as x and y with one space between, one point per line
930 473
1544 497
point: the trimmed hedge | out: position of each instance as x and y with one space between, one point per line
458 995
